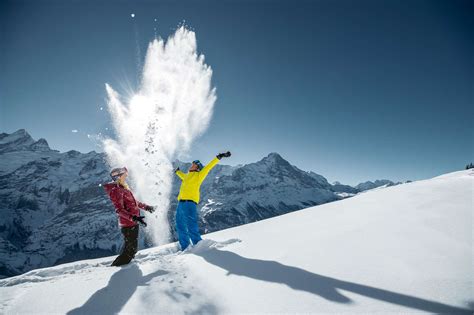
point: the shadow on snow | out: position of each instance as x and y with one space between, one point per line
111 298
325 287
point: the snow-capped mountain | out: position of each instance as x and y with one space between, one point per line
21 141
53 210
375 184
261 190
401 250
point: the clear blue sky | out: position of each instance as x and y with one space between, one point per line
353 90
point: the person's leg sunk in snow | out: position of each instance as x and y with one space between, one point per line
130 236
192 222
181 226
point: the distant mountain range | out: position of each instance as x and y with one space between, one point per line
52 209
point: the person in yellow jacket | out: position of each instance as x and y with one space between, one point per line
188 198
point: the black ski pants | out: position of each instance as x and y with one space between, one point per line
130 236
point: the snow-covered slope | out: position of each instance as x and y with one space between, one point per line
404 249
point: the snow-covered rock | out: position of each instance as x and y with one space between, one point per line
401 250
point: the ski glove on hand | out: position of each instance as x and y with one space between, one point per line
139 219
150 209
221 155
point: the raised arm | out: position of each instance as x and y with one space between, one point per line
206 169
179 173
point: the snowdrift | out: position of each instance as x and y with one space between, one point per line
404 249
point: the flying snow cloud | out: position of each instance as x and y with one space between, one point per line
172 107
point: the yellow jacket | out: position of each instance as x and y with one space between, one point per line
191 182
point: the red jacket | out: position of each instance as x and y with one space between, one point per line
126 206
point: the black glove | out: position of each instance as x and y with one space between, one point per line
139 219
150 209
221 155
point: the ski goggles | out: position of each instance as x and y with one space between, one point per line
199 164
117 172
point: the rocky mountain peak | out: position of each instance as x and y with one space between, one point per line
20 134
274 158
371 185
40 145
21 140
275 161
18 141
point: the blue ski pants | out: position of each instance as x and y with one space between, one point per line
187 223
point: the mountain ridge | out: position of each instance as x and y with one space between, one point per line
53 209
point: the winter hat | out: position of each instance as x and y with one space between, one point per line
199 164
117 172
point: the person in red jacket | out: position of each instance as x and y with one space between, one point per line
128 212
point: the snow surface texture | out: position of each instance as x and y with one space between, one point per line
52 209
405 249
172 107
